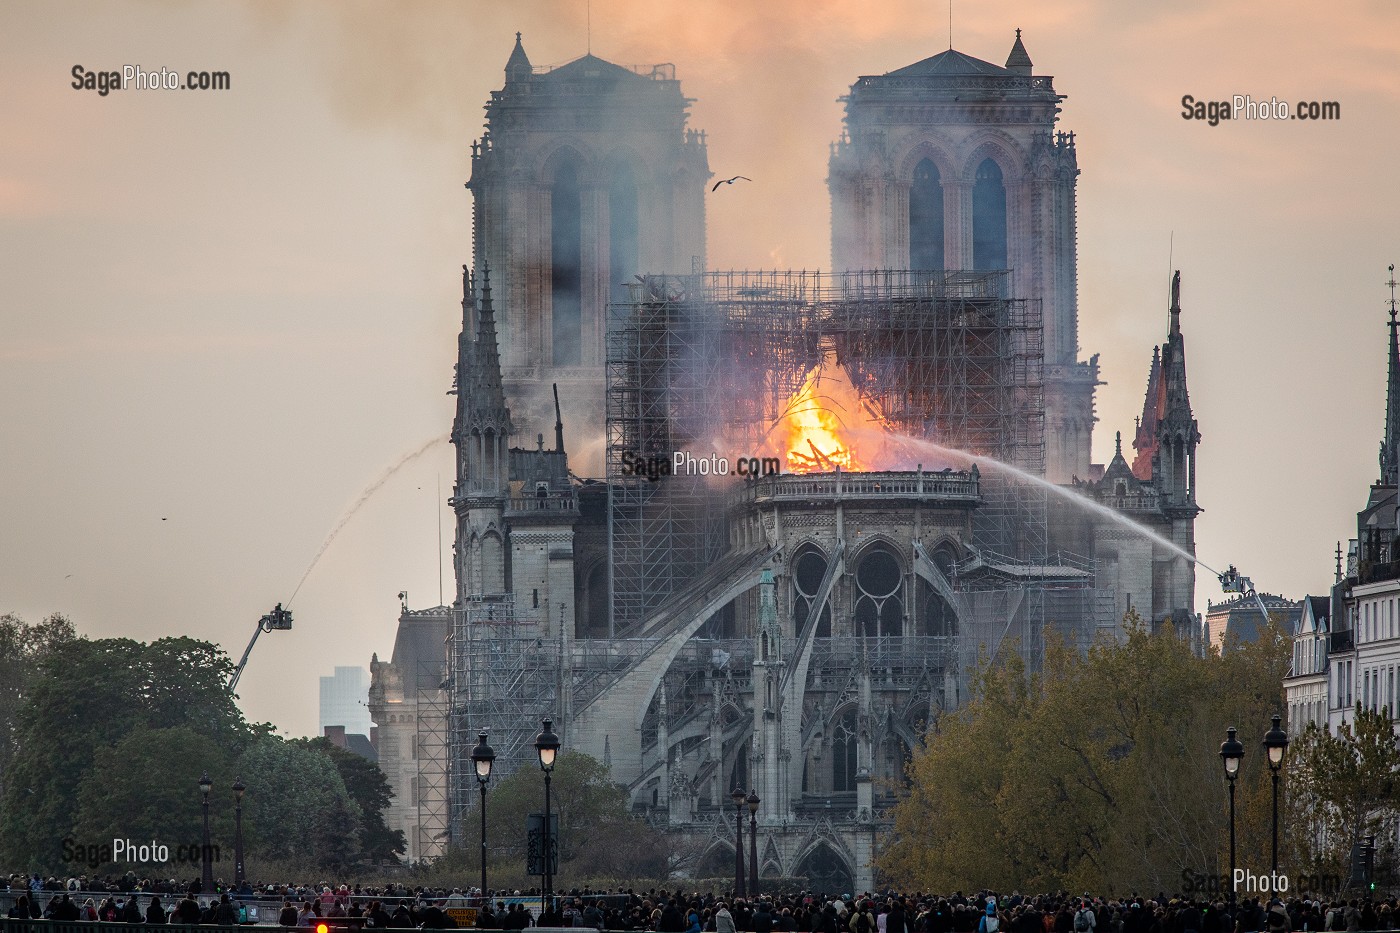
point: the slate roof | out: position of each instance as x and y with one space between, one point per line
951 62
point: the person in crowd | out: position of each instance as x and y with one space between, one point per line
724 920
154 912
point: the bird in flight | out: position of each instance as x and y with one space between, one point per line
729 181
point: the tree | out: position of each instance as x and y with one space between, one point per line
146 787
370 790
1339 789
598 835
23 647
296 804
87 696
1100 771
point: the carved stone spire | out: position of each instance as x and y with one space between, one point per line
1145 438
1390 456
518 65
488 396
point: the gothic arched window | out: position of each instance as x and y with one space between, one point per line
988 218
808 570
844 739
879 605
566 273
622 231
926 219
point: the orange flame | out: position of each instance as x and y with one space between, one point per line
813 433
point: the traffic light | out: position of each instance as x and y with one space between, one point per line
323 927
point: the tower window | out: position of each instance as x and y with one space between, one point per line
843 754
988 218
566 267
926 219
622 232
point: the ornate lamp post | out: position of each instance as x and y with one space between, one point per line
482 759
547 746
238 788
739 797
207 879
1275 743
1232 753
753 803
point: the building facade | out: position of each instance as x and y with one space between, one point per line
956 163
792 634
1347 645
345 700
585 175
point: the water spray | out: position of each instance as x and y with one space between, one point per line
280 619
1064 493
359 502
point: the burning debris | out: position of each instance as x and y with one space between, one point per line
819 426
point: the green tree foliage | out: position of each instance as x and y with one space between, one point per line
369 788
1099 772
146 787
23 648
87 696
296 804
1339 789
598 835
336 838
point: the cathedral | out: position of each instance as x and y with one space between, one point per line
792 630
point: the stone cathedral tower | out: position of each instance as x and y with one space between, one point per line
954 163
585 176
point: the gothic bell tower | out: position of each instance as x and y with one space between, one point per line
586 175
481 432
952 164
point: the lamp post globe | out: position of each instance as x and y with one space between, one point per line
547 745
1275 744
547 748
1232 754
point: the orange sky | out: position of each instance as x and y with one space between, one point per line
224 314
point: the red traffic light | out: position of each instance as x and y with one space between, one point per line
323 927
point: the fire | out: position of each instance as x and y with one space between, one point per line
814 432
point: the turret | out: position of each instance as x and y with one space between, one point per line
1145 438
1390 456
518 67
482 429
1018 62
1177 434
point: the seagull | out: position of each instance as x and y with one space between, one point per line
729 181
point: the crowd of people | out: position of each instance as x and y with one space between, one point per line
402 907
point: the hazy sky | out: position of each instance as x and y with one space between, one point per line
224 314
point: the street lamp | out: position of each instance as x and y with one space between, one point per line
547 747
753 803
1232 753
208 876
482 758
739 797
1276 743
238 788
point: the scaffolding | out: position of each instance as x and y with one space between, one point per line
709 362
503 676
431 783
